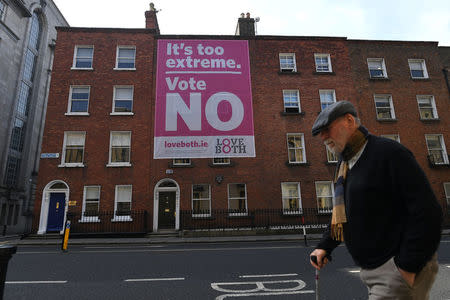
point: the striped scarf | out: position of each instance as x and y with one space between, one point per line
338 217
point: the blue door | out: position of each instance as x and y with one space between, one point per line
56 212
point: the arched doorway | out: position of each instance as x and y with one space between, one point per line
55 199
166 206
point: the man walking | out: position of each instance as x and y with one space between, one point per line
384 209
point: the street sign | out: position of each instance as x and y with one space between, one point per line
49 155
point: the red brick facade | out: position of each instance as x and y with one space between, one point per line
263 174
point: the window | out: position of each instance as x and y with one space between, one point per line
122 203
120 148
201 200
221 161
418 68
377 68
79 100
181 162
296 148
291 101
436 149
323 62
327 97
91 202
394 137
2 9
73 149
447 194
331 156
237 199
427 107
290 193
123 100
384 107
287 62
126 57
83 57
324 193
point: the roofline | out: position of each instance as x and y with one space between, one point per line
392 41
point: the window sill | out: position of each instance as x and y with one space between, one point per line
118 165
122 219
213 165
289 73
81 114
387 120
292 213
202 217
124 69
430 120
237 215
421 78
93 219
323 73
324 212
379 79
121 114
71 166
287 113
331 163
172 165
295 164
82 69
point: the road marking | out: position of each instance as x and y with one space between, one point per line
264 294
154 279
36 282
448 266
355 271
118 247
268 275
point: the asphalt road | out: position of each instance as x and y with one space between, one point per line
249 270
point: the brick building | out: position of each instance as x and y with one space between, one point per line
99 137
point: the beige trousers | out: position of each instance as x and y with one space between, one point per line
386 282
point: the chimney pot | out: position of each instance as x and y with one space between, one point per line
248 15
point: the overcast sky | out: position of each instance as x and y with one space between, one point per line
410 20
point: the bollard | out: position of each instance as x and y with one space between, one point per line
6 252
66 236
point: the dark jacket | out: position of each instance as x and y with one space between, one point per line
391 209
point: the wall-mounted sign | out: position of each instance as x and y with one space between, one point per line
203 100
49 155
72 203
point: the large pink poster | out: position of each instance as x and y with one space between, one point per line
203 100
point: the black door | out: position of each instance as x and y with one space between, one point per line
166 216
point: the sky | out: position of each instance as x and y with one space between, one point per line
412 20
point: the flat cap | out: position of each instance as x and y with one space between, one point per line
331 113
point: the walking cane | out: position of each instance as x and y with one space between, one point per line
314 260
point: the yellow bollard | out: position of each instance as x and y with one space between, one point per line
66 236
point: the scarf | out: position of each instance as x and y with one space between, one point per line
338 217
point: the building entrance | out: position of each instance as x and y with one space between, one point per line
166 212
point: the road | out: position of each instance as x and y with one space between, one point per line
248 270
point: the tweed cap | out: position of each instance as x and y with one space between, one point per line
331 113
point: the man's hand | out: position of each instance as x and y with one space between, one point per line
408 276
321 259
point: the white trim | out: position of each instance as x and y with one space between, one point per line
443 148
391 106
245 198
43 218
302 136
329 182
116 67
69 102
194 215
297 95
287 69
63 156
75 57
156 191
323 55
424 67
322 92
118 164
432 103
383 67
298 197
124 218
114 98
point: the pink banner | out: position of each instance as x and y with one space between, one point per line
203 100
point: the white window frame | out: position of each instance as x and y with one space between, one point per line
122 113
394 137
331 156
323 93
69 106
391 106
291 94
117 57
63 156
432 106
297 197
442 149
287 68
221 161
181 162
119 164
447 194
237 198
302 148
381 68
74 65
321 210
90 219
201 199
423 65
320 67
125 218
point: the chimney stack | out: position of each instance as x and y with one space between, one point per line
245 26
151 22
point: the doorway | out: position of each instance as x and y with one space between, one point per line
56 210
166 210
166 205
